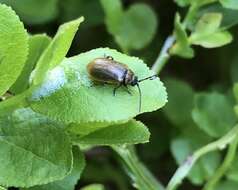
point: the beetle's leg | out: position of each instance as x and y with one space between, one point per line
126 88
115 89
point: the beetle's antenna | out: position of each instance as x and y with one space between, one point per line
138 86
150 77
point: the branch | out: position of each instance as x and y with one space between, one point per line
163 55
184 169
231 153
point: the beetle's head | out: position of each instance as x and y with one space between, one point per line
130 78
134 81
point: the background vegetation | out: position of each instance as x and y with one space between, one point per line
199 72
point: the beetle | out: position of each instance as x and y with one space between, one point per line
107 70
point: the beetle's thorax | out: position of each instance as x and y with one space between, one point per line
130 78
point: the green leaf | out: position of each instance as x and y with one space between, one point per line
68 94
132 132
33 150
227 185
207 32
13 47
90 9
93 187
228 15
113 15
37 44
182 147
126 26
208 23
89 127
182 46
34 11
180 104
213 113
197 3
132 36
230 4
57 49
183 3
69 182
216 39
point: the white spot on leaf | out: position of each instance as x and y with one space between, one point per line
55 79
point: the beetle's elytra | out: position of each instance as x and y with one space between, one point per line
107 70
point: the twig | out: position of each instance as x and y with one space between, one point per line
231 153
163 55
184 169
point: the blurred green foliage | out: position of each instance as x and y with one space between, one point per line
200 105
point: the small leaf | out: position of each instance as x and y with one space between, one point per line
33 150
126 26
69 182
227 185
207 32
34 11
180 104
72 9
57 49
216 39
93 187
37 44
68 94
113 15
213 113
198 3
183 3
228 16
132 36
208 23
132 132
182 46
13 47
89 127
231 4
182 147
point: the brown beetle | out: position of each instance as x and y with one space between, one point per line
106 70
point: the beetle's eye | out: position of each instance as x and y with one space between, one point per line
134 81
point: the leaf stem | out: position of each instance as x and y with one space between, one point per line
211 184
142 178
190 15
184 169
164 55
